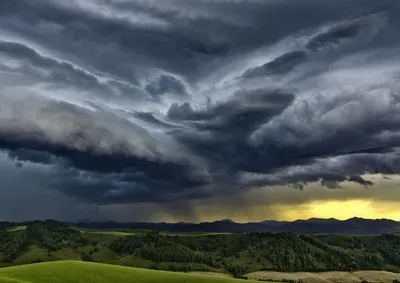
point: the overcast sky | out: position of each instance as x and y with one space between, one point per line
170 110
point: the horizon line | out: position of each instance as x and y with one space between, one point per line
197 223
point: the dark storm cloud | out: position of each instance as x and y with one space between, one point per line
344 34
76 141
28 155
154 121
222 131
166 84
164 101
53 71
282 64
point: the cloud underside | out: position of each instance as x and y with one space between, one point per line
120 102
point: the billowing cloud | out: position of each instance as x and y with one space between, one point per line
113 103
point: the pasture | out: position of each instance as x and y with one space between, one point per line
85 272
328 277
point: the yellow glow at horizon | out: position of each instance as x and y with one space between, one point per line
382 200
342 210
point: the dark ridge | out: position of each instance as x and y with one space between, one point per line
352 226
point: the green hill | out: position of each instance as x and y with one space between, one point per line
85 272
234 254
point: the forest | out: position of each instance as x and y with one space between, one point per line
236 254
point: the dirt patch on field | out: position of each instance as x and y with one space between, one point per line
329 277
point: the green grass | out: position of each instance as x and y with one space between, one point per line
85 272
112 233
139 232
105 255
17 228
231 254
194 234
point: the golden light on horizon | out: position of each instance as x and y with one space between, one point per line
382 200
341 210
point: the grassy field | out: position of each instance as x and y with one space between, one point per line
17 228
141 232
328 277
112 233
84 272
196 234
209 253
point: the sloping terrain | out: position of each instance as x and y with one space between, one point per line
84 272
328 277
234 254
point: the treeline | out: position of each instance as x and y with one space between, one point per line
53 236
49 235
12 246
6 225
236 253
285 252
371 251
180 249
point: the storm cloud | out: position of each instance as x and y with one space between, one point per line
131 102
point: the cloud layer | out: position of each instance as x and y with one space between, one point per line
126 102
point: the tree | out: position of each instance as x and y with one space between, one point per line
86 257
172 267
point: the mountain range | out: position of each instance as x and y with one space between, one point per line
353 226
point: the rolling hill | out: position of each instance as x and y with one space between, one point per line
84 272
228 253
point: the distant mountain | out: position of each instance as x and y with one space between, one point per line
355 226
225 221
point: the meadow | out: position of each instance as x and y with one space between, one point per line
233 255
373 276
85 272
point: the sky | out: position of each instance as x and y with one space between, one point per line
198 110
